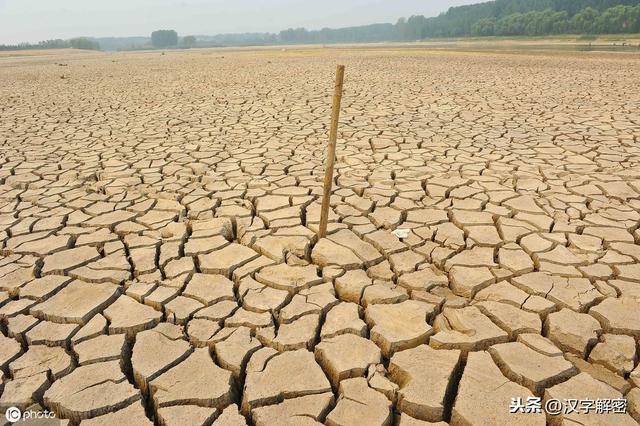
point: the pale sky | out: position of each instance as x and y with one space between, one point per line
35 20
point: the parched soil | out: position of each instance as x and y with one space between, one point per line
159 260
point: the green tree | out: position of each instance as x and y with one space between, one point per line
189 41
164 38
484 27
84 43
583 21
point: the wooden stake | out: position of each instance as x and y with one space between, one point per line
331 153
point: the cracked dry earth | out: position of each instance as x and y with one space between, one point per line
158 254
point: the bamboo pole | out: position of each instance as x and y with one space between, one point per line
331 153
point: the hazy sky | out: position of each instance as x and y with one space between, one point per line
35 20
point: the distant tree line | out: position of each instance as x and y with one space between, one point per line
74 43
496 18
615 20
493 18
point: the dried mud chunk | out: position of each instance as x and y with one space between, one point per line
350 286
423 390
234 352
585 387
304 411
274 382
511 319
298 334
289 278
343 318
327 253
529 368
226 260
42 359
63 261
91 391
616 352
25 391
230 417
359 404
179 415
131 415
346 356
10 349
41 288
258 297
365 251
399 326
483 394
101 349
466 329
195 381
540 344
50 333
157 350
125 315
572 332
76 303
467 282
209 289
423 279
619 316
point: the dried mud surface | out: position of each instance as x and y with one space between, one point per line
158 258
